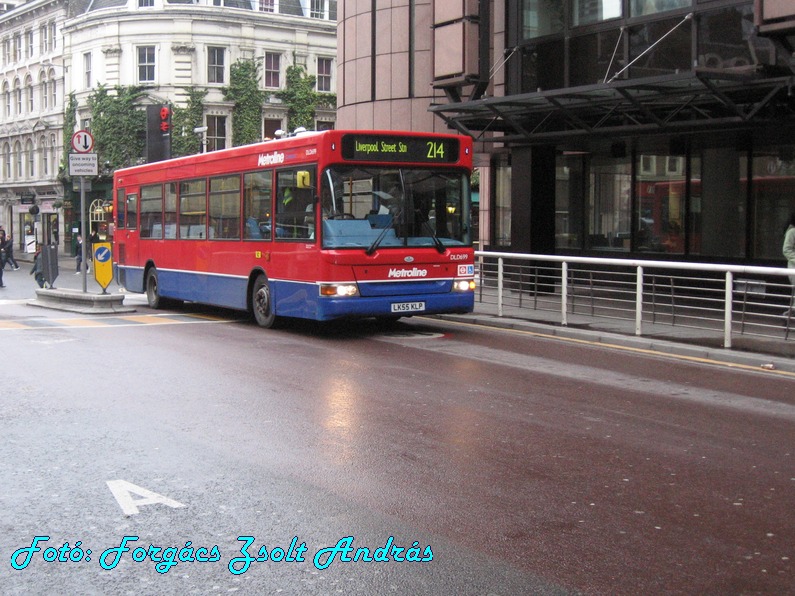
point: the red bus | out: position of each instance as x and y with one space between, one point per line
318 225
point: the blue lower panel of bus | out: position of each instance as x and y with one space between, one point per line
302 300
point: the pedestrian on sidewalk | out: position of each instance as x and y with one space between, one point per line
37 271
789 253
4 242
9 254
79 253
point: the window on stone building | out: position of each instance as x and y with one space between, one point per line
44 33
319 9
216 133
44 98
7 161
18 159
45 156
87 70
324 66
215 65
18 96
29 94
272 69
30 154
268 6
146 64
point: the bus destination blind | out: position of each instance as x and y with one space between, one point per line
394 148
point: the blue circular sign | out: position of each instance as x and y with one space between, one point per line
102 254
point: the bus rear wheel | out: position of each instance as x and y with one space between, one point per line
262 303
152 292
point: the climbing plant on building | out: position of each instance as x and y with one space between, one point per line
247 98
118 125
183 120
300 97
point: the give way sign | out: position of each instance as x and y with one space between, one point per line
82 141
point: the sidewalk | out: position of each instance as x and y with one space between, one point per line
20 285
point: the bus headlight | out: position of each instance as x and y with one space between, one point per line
339 290
463 285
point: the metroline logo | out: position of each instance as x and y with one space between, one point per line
268 159
415 272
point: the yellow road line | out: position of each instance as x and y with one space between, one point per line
645 351
109 322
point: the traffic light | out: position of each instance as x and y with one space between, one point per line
158 133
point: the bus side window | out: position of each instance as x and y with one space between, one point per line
257 187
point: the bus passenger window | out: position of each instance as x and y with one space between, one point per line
257 188
152 211
225 207
192 209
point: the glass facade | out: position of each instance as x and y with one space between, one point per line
714 202
584 12
541 17
566 43
502 202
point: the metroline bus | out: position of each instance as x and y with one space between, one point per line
319 225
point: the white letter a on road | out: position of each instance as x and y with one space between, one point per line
123 491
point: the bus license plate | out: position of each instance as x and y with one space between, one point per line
408 307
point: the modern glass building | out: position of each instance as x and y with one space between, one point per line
653 128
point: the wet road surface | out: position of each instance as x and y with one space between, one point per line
528 465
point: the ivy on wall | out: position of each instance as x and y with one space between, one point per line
301 98
248 99
69 128
183 120
118 125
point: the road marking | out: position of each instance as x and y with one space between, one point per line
123 491
106 321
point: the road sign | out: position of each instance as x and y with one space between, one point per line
82 141
103 264
83 164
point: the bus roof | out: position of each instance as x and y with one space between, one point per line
284 150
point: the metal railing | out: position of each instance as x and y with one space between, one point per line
724 299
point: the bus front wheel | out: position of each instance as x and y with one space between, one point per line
262 303
152 292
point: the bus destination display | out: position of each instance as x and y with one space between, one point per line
400 148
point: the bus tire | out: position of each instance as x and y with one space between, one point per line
262 302
152 292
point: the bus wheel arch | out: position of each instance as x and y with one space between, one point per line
261 301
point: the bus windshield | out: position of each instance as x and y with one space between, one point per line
382 207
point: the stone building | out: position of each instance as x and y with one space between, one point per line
52 48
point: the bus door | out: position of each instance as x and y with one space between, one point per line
125 237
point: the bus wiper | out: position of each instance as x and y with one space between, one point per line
381 236
436 242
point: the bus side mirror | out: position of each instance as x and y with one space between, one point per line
303 179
